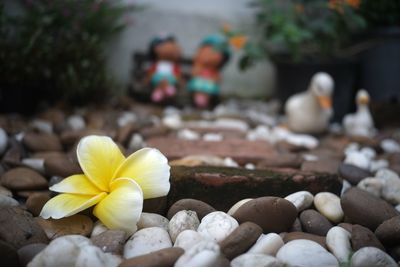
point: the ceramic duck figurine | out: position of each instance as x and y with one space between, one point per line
361 122
309 112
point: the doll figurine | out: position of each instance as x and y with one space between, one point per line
164 74
211 56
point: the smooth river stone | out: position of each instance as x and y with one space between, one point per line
306 253
240 240
287 237
188 238
200 207
301 200
371 185
37 142
165 257
314 222
28 252
237 205
328 204
363 208
338 242
6 201
273 214
256 260
391 185
111 241
22 178
36 201
148 219
203 254
182 220
389 231
363 237
145 241
74 225
268 244
216 226
371 257
352 173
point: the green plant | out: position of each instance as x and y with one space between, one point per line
304 29
58 46
381 13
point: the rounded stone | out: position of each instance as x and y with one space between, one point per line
296 227
363 237
216 226
256 260
272 214
321 240
37 142
182 220
61 165
200 207
268 244
148 219
6 201
372 257
353 174
145 241
203 254
301 200
161 258
314 223
188 238
5 192
36 201
306 253
23 179
338 242
388 232
365 209
3 141
240 240
328 204
8 254
111 241
28 252
237 205
371 185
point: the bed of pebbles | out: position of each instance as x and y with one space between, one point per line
357 225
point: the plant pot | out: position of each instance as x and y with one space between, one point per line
293 78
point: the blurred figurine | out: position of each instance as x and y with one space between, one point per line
310 111
211 56
164 74
360 123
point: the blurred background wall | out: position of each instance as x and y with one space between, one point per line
190 21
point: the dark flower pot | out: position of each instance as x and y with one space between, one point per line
295 77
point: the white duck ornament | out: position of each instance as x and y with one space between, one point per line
310 111
361 122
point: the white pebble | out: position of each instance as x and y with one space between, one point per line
203 254
98 228
391 185
371 185
136 142
268 244
302 140
358 159
232 124
328 204
371 257
145 241
213 137
256 260
93 256
368 152
338 242
34 163
3 141
187 239
187 134
237 205
345 185
378 164
76 122
6 201
250 166
301 200
147 220
173 121
229 162
390 146
182 220
43 125
4 191
217 225
126 118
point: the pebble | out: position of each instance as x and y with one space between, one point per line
391 185
273 214
98 228
76 122
161 258
23 179
358 159
145 241
37 142
296 227
3 141
390 146
182 220
372 185
388 232
200 207
306 253
353 174
237 205
363 237
216 226
112 241
338 242
256 260
371 257
187 134
268 244
148 219
126 118
42 125
6 201
240 240
15 223
203 254
328 204
73 225
61 165
301 200
8 255
365 209
287 237
187 238
379 164
5 192
36 201
36 164
28 252
213 137
345 185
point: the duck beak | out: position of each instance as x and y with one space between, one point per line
325 102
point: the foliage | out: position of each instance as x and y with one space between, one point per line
57 46
381 13
305 29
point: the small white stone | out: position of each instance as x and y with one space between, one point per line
232 124
368 152
3 141
358 159
302 140
182 220
261 132
301 200
136 142
250 166
145 241
4 191
93 256
237 205
256 260
216 226
371 185
34 163
187 134
6 201
76 122
345 185
328 204
378 164
338 242
267 244
390 146
126 118
42 125
187 239
98 228
391 185
229 162
173 121
147 220
306 253
371 257
352 147
203 254
213 137
310 157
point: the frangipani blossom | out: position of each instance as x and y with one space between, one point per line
115 185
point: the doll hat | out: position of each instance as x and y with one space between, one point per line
218 42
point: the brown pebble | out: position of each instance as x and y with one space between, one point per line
314 222
23 179
74 225
200 207
363 237
389 231
112 241
300 235
36 201
42 142
161 258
